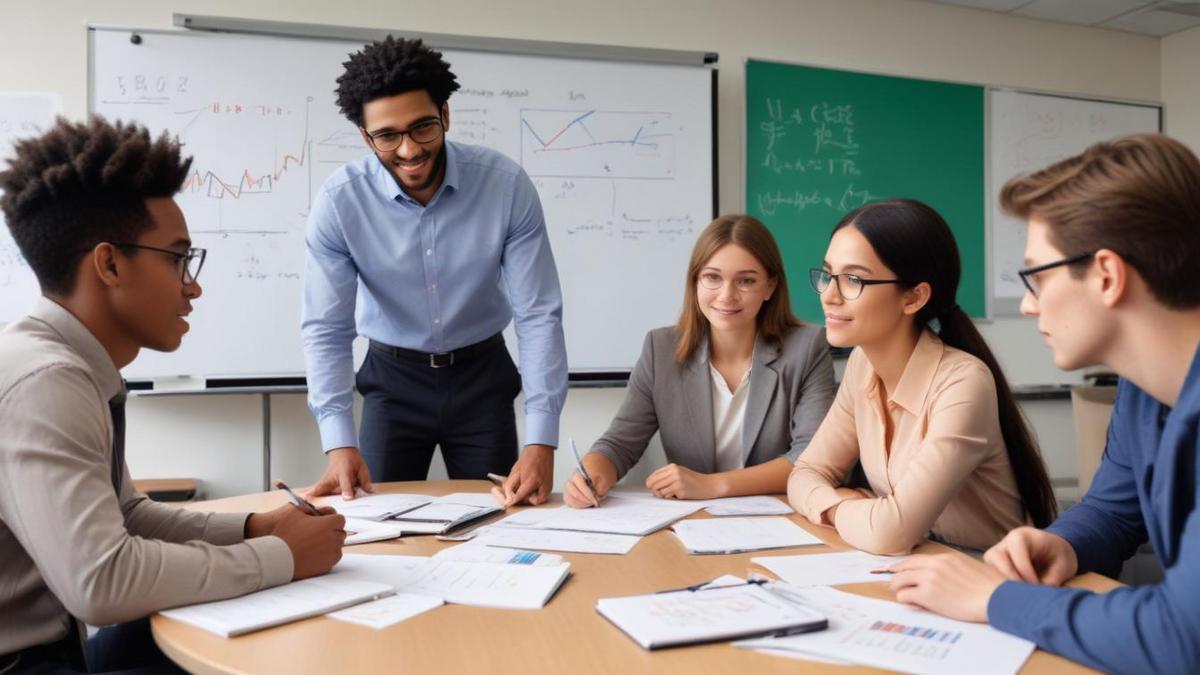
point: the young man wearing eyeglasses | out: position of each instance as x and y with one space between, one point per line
429 248
1114 236
90 207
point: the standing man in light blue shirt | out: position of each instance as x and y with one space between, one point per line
429 248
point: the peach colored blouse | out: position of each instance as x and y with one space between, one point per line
945 470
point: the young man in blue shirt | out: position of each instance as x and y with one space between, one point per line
429 248
1114 236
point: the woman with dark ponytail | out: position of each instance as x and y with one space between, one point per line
923 403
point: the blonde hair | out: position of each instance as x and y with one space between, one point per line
775 319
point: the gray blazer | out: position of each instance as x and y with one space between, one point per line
791 389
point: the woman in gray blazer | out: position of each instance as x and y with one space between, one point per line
736 389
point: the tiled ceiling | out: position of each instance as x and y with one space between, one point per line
1135 16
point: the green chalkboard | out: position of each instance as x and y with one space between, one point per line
822 142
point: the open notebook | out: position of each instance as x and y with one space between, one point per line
710 613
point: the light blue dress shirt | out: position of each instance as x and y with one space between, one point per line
1147 488
431 278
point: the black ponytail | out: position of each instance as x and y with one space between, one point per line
915 242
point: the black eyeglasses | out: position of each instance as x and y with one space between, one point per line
849 286
188 263
1028 277
426 131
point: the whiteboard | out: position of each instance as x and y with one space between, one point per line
21 115
1028 132
624 194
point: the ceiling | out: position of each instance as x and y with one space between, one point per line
1135 16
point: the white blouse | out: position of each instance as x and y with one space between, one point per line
729 414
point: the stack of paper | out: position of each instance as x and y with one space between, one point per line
480 552
375 507
448 512
889 635
362 531
387 611
465 583
615 515
709 614
738 535
756 505
556 540
829 569
282 604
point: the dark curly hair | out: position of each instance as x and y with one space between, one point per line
392 67
81 184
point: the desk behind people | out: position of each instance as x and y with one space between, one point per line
566 636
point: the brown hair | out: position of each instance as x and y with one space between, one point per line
775 318
1138 196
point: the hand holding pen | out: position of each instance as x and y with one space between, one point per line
591 480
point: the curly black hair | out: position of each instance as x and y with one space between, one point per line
392 67
80 184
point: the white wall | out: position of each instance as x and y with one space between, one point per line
218 439
1181 85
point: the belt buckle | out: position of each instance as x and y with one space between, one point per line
441 360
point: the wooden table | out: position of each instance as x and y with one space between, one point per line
566 636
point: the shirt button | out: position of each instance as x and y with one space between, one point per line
437 320
433 287
428 251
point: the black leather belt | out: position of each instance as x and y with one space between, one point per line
443 359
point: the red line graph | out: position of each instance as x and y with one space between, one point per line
247 183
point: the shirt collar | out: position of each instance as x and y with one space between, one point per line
389 186
78 337
917 377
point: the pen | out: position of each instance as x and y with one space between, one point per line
880 570
582 471
301 503
497 479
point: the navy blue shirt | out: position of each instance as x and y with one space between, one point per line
1145 489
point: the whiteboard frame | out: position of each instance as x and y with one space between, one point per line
1011 307
291 383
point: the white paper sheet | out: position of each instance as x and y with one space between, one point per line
475 551
738 535
615 515
387 611
557 540
757 505
828 569
281 604
890 635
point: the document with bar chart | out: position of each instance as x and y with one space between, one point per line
890 635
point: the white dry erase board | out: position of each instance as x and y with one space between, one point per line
621 152
1027 132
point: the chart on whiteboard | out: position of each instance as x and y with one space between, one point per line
624 184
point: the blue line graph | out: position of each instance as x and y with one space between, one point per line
598 144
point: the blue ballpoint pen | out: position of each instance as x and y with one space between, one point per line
582 471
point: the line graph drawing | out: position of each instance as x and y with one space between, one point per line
609 144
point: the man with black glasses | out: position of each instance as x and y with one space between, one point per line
1114 235
429 248
90 207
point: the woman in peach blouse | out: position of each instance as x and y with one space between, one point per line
923 403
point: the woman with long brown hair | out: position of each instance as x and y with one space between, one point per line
923 403
736 389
